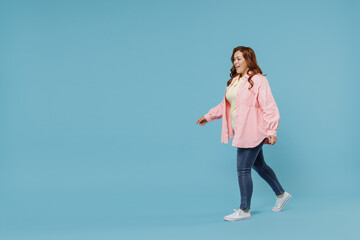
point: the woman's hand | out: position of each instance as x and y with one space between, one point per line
202 121
272 139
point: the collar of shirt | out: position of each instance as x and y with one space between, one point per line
245 77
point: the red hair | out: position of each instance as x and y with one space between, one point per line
250 59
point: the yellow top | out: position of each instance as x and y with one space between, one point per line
231 97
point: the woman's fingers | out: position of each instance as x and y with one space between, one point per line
272 139
204 121
201 121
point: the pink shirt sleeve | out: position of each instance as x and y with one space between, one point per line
216 112
269 107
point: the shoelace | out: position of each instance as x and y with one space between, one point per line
278 201
237 211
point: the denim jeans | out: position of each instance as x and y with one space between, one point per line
248 158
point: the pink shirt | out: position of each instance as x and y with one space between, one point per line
256 117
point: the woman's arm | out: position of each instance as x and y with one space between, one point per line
269 107
216 112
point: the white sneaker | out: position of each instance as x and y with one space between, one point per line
237 215
280 202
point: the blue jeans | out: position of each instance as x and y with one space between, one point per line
248 158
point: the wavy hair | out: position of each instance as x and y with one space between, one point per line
250 59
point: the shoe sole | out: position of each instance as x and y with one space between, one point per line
282 205
234 219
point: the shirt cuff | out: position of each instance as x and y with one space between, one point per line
271 132
207 117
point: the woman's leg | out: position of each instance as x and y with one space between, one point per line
245 161
267 174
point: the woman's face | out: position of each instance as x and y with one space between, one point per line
239 63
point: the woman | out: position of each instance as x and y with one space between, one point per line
249 115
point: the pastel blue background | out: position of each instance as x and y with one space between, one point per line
98 105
